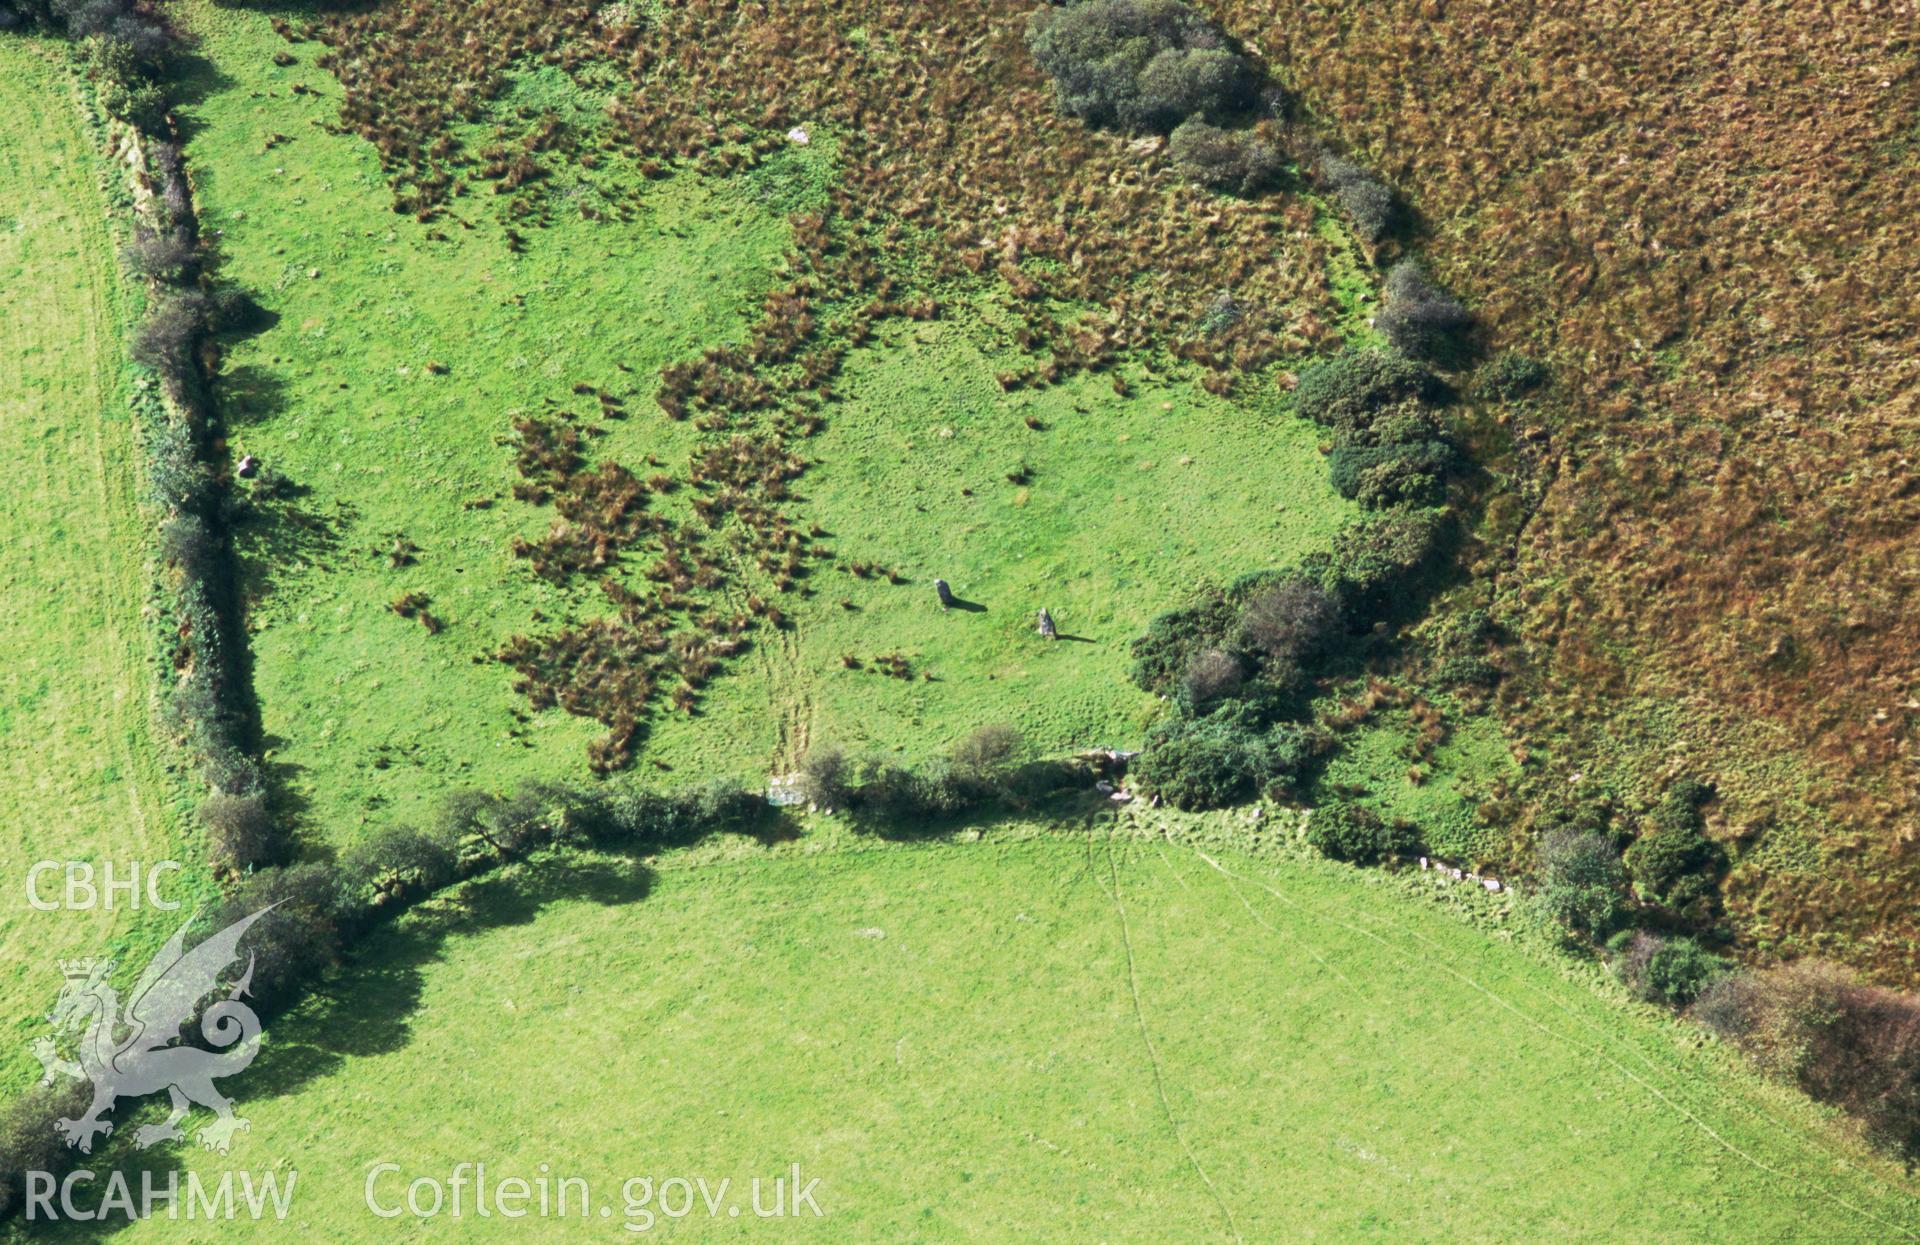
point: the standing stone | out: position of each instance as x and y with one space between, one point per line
945 593
1046 625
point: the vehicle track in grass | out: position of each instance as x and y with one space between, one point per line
1111 887
1667 1097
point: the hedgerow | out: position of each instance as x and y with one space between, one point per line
129 53
1224 757
1842 1041
1258 646
320 909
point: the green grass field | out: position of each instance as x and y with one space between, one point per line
1098 1034
1130 506
1132 503
369 716
78 761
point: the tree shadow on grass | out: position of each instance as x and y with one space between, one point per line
364 1008
192 79
250 394
278 536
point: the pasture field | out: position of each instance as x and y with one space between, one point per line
400 353
1098 1033
82 771
369 716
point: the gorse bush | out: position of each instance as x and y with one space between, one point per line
1140 64
1663 970
1406 422
1357 834
1512 375
1457 646
1224 311
1673 863
1376 563
1236 161
1347 389
304 934
1369 203
1222 758
1378 476
1678 970
1419 317
1162 654
1263 627
1583 885
1195 766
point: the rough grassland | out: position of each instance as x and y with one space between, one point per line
1131 502
77 758
1702 218
1008 1040
1383 767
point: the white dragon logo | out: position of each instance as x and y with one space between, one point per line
132 1055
